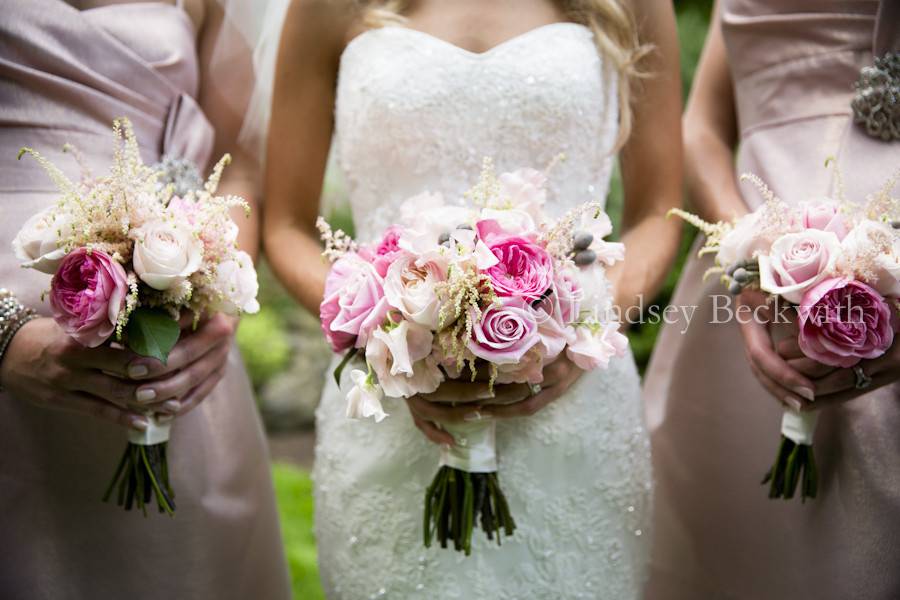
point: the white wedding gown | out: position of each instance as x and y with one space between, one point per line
414 113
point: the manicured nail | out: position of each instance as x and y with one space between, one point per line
145 395
473 417
806 392
171 406
137 371
445 447
139 423
793 403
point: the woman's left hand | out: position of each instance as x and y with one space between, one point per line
834 385
559 376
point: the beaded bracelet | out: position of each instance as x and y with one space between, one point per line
13 315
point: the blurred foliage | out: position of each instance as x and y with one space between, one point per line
293 492
264 344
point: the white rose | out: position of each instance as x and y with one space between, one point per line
38 242
797 262
364 400
859 246
742 241
409 287
166 253
512 220
236 280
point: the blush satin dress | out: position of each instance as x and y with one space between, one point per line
64 76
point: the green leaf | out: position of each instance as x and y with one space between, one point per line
340 368
152 332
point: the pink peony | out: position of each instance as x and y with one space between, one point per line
797 262
843 321
86 295
354 303
505 332
824 215
524 269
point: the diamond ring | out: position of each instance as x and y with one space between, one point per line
862 380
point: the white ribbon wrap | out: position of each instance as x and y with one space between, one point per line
156 433
799 427
476 447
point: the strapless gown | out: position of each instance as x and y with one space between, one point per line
416 113
64 76
714 428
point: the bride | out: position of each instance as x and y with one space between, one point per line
416 94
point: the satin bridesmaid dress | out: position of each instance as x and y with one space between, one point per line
714 429
64 76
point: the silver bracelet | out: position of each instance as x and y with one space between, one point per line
13 315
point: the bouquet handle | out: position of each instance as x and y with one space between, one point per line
795 462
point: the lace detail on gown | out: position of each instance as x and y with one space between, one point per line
415 113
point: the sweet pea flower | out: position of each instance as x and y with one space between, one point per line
592 346
364 399
400 354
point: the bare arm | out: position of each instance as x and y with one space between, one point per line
710 134
302 121
654 147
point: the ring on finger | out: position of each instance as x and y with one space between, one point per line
535 389
862 380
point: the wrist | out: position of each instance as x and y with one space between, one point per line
13 317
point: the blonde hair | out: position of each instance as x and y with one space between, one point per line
611 21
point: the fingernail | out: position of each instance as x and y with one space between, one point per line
172 406
806 392
136 371
139 423
793 403
445 447
145 395
472 417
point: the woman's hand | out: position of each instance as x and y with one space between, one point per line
195 366
45 366
785 381
462 400
834 385
48 368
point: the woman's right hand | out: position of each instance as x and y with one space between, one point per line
48 368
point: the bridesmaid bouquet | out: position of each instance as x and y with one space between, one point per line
837 263
127 258
488 286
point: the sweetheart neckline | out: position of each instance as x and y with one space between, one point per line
492 51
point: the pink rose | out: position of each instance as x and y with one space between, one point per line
354 303
843 321
524 269
797 262
386 252
505 332
824 215
86 295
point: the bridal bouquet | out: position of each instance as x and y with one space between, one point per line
489 285
838 264
127 257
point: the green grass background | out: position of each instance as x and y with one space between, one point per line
293 486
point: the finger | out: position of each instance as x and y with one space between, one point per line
108 388
556 372
104 358
84 404
840 380
178 385
442 413
431 431
878 380
199 393
759 348
525 408
509 393
213 333
809 367
789 348
460 392
782 395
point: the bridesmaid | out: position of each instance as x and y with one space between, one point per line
66 71
775 83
